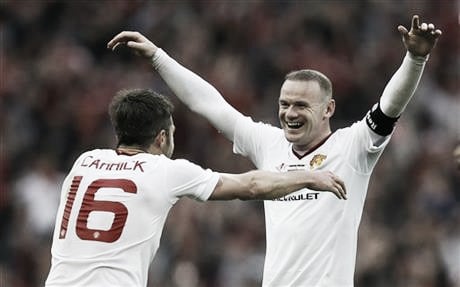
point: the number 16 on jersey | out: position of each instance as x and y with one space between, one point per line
89 204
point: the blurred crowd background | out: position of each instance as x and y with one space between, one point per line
57 78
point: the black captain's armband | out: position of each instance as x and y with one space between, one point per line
380 123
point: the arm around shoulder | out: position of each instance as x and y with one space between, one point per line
265 185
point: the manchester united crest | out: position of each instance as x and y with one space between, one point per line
317 160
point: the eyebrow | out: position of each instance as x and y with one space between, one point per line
294 102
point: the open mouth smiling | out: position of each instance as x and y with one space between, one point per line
294 125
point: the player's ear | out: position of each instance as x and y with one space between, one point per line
160 139
330 109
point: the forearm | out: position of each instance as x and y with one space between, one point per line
258 184
402 85
196 93
264 185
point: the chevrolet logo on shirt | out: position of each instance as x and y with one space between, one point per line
302 196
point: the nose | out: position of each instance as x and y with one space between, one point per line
291 112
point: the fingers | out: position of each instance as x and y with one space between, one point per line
339 191
336 192
341 188
423 28
123 37
430 30
327 181
114 47
338 187
427 27
402 30
415 22
134 45
139 44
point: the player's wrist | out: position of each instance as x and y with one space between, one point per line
156 58
308 178
417 58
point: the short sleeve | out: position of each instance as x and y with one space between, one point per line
359 149
184 178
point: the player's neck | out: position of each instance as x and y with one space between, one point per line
134 149
303 150
130 150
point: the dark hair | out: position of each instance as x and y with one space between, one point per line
138 115
312 75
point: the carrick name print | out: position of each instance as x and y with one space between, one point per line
133 165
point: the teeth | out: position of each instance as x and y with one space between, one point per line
294 124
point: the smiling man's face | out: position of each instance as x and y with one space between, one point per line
303 113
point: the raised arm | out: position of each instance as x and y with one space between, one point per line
192 90
263 185
419 42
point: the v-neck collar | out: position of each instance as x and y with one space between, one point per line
315 147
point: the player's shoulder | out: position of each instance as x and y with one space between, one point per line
351 128
263 130
248 121
96 153
180 163
345 134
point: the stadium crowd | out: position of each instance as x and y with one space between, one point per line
57 78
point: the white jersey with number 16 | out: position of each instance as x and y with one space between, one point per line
112 211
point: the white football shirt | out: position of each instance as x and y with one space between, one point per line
312 236
112 211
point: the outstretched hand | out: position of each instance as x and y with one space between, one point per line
421 39
134 40
329 182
